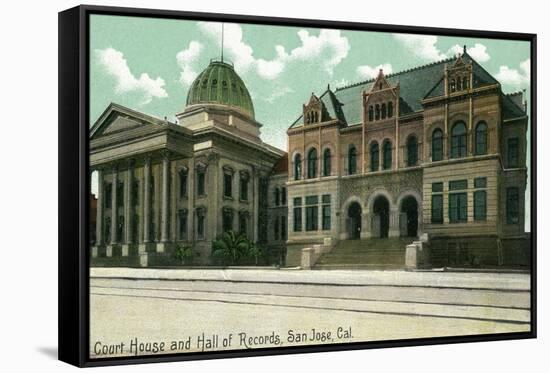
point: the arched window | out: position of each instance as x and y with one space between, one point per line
297 167
459 84
458 140
315 117
371 113
452 85
352 160
386 149
326 162
374 157
384 112
377 112
312 163
390 109
465 83
412 151
481 138
437 145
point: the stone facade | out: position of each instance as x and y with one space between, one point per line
437 149
162 184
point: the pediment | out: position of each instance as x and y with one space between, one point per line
117 119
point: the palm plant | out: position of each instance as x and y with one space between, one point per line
233 248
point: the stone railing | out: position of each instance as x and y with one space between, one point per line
310 255
417 255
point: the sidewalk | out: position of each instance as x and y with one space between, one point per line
460 280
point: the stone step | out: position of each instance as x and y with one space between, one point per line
358 266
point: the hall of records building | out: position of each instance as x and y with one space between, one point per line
437 151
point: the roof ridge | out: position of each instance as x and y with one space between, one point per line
514 93
396 73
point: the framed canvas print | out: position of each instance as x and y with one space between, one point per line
234 185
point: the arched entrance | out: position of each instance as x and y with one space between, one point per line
354 221
409 217
381 215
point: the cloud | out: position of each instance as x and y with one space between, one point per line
186 60
425 48
478 52
368 72
516 78
116 65
277 93
327 49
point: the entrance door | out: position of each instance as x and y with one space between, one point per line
354 215
409 210
381 208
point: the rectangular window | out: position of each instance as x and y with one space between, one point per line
244 189
277 196
297 214
276 229
311 218
512 205
227 185
120 194
182 215
437 209
312 211
283 196
458 184
135 192
283 227
108 194
227 220
480 182
326 212
243 223
437 187
201 179
183 183
200 225
458 207
513 152
480 205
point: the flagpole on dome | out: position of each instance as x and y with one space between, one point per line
223 24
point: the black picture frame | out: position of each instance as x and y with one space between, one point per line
74 182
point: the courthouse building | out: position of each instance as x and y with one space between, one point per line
437 149
163 183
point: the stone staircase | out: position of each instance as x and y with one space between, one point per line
374 253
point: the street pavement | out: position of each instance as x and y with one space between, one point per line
179 311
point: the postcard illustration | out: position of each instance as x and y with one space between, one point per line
257 186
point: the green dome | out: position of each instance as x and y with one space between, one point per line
220 84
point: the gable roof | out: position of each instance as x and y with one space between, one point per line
127 119
415 84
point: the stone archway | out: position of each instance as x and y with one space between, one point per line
354 221
410 214
381 217
408 219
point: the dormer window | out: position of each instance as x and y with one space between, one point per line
452 86
377 112
371 113
384 111
390 109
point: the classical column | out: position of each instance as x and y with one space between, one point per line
128 203
114 204
146 200
164 202
99 214
255 203
365 225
